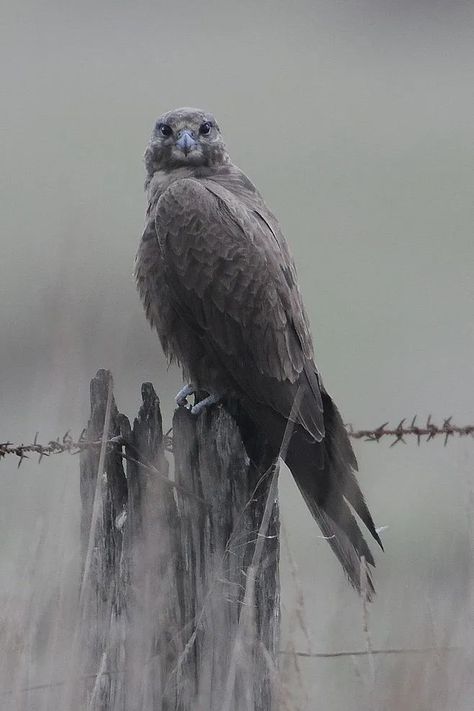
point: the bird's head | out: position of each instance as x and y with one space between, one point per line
185 137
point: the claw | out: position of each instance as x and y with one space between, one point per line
204 404
181 396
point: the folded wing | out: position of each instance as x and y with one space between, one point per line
232 278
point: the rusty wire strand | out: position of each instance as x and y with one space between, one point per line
429 431
66 443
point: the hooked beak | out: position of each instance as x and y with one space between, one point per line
186 141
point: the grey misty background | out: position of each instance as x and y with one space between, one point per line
355 121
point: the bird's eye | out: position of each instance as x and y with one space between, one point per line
205 128
165 130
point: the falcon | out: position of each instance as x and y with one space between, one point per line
218 283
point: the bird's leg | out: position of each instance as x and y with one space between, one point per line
183 394
204 404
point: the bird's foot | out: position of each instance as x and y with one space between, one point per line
190 389
204 404
182 395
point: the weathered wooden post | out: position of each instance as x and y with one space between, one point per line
217 544
103 487
180 598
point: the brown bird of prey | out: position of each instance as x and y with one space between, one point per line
218 283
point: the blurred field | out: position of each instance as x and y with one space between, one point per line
355 121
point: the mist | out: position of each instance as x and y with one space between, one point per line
354 119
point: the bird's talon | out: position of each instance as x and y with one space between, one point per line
182 395
204 404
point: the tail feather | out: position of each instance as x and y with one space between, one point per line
347 543
343 463
324 473
329 487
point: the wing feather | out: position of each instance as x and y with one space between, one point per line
231 274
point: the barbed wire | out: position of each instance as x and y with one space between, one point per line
428 431
67 443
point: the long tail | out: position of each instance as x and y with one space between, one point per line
325 476
324 473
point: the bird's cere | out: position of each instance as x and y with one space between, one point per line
186 141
